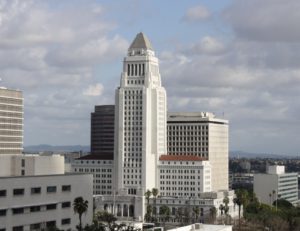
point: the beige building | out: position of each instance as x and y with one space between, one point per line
203 135
11 121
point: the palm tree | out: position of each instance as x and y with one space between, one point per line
155 193
164 212
213 213
196 212
241 200
80 206
148 194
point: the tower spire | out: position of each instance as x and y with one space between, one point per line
141 42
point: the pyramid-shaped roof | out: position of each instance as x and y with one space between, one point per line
141 42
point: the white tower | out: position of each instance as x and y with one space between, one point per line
140 119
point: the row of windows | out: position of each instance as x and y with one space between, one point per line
133 107
188 139
132 176
136 69
11 114
139 102
178 177
103 186
35 190
132 165
133 182
179 182
96 162
11 133
35 208
4 100
132 170
139 128
179 188
180 133
39 226
103 181
10 139
4 107
184 127
133 93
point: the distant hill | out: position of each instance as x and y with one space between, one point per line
242 154
50 148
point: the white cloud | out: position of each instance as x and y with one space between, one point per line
196 13
268 20
94 90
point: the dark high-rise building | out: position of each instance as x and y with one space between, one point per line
102 131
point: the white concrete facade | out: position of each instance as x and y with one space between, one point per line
103 174
29 165
36 202
185 176
203 227
204 135
276 184
140 119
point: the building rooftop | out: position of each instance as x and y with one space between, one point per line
141 41
181 158
96 157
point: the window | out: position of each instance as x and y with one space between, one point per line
66 221
66 188
35 208
18 191
36 190
51 206
2 212
23 163
2 193
36 226
51 189
50 224
18 210
17 228
66 204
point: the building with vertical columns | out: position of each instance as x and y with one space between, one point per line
189 168
11 121
203 135
140 124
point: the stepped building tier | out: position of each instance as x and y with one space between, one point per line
140 124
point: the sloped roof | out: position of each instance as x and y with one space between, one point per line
141 41
181 158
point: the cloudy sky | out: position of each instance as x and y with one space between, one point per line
238 59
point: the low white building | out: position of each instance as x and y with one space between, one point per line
276 184
132 207
183 176
31 165
203 227
35 193
102 170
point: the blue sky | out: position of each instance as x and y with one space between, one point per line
238 59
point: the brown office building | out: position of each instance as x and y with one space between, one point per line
102 132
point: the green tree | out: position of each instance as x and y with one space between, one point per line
148 194
226 202
213 214
104 218
80 206
196 212
164 212
155 194
241 200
